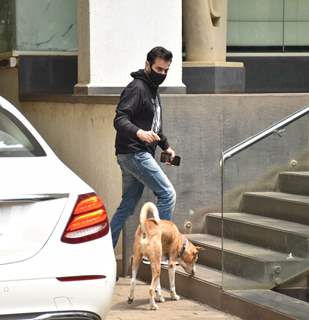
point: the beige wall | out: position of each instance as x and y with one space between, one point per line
82 135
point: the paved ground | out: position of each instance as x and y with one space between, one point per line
169 310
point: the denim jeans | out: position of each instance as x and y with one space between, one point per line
138 170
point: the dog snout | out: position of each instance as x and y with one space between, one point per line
193 271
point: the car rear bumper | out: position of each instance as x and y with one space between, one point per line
53 297
67 315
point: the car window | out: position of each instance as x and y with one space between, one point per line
15 138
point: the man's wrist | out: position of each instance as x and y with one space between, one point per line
139 132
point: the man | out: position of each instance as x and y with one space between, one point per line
138 123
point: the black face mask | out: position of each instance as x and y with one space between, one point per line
156 78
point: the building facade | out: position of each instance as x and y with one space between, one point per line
267 39
64 63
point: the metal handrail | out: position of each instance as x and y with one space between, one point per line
275 128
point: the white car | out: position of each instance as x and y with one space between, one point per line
56 256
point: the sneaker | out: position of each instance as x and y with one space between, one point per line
146 260
164 261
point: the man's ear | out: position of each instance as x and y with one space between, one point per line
147 66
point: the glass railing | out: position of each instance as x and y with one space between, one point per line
265 206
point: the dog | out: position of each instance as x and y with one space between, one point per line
153 239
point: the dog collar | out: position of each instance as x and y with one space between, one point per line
184 246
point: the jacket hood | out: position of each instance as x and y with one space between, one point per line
140 74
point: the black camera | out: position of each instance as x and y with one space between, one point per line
166 158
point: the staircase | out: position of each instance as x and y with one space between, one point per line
265 246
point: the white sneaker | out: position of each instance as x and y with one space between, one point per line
164 261
146 260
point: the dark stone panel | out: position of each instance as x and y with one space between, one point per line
275 74
214 79
47 74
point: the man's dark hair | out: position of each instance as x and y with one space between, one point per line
159 52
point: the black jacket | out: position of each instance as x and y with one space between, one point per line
135 111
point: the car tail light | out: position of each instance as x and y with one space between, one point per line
88 220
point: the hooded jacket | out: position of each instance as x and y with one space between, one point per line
138 106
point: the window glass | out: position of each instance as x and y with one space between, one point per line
268 25
255 23
296 23
46 25
15 139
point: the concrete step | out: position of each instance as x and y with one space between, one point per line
265 266
294 182
274 234
288 307
205 286
227 280
249 304
277 205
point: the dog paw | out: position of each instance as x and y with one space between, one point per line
130 300
160 299
175 296
154 307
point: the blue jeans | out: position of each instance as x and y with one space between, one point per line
138 170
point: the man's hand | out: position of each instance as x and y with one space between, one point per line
171 152
147 136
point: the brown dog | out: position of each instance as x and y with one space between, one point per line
155 238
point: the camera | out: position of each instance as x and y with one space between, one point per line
166 158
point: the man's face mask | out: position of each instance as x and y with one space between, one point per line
156 78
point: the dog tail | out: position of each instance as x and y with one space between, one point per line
148 207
